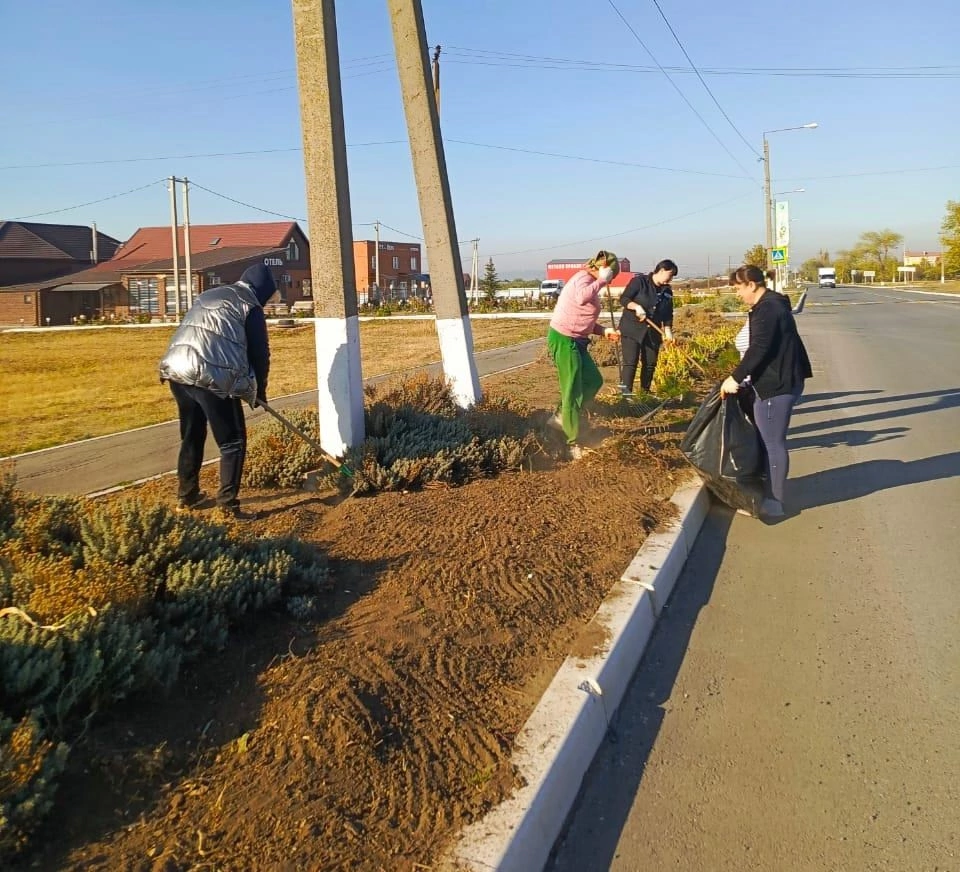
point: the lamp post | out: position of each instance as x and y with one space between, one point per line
768 198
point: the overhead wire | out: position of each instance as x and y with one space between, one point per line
676 87
89 203
624 232
703 82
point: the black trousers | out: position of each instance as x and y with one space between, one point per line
643 351
197 407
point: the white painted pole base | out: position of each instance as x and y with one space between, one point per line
340 383
459 367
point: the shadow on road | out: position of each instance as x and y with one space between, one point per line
850 438
859 479
946 398
610 787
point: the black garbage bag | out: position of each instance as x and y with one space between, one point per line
724 446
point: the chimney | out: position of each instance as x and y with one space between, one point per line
93 255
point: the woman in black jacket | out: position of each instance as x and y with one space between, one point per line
776 365
646 299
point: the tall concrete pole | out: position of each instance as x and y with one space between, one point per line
376 259
176 243
767 200
334 282
186 240
436 205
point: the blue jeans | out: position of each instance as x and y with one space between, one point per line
772 417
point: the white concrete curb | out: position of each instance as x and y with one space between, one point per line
558 742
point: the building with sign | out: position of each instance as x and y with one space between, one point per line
138 281
565 268
401 269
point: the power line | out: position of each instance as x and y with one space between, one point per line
247 205
486 57
121 160
90 203
703 82
621 163
677 89
623 232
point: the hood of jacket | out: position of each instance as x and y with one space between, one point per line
261 282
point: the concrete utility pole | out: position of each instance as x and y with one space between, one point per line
93 253
186 241
436 78
176 242
334 282
475 271
376 259
768 200
436 205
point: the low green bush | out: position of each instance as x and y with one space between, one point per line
100 600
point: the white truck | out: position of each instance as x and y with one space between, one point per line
827 276
550 289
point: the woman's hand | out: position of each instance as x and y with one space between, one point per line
611 334
730 386
668 336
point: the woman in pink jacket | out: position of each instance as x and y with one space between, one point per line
574 321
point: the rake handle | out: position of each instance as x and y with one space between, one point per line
686 356
316 446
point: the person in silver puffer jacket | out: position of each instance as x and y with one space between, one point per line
218 357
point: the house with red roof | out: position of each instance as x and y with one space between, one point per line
138 280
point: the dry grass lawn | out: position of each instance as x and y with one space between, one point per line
67 385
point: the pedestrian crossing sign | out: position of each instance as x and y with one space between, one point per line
778 255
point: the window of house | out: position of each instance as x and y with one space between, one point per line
171 304
307 287
27 298
293 251
215 240
413 264
213 280
373 262
396 263
144 296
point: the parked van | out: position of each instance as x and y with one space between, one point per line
550 289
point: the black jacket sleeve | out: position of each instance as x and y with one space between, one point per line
665 309
630 292
258 348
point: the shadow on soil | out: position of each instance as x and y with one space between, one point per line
592 835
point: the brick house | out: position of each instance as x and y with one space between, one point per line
138 280
32 252
401 268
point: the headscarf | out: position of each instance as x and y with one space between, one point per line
605 258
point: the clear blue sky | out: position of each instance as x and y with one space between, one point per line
115 82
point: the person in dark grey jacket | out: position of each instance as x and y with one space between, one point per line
776 365
218 357
646 300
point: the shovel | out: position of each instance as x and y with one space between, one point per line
316 446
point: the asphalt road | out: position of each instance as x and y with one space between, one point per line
99 464
798 707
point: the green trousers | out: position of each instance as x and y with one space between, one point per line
579 379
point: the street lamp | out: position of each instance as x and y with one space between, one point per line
768 199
